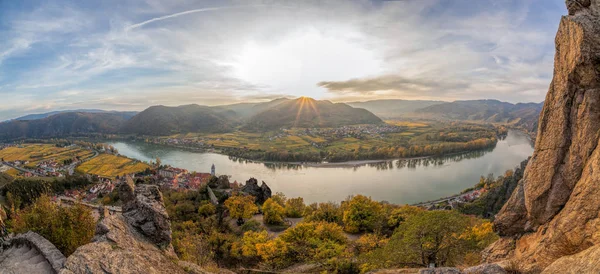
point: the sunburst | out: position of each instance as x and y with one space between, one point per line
309 105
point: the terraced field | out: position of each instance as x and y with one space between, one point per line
111 166
35 153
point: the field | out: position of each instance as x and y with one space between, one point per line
35 153
108 165
364 139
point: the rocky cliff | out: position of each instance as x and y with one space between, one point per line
554 211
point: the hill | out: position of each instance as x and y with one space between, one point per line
64 124
308 112
393 109
38 116
491 111
247 110
163 120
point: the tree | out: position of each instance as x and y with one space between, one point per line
241 207
66 227
442 238
326 212
273 212
294 208
361 214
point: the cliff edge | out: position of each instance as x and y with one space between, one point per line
554 211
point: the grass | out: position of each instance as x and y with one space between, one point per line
111 166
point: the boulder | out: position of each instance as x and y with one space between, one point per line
485 269
120 248
587 261
146 212
440 270
262 192
554 210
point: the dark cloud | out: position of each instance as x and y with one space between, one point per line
394 83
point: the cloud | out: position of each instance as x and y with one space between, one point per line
156 19
132 54
395 83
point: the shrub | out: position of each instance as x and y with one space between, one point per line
66 227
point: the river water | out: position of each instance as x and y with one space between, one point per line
397 181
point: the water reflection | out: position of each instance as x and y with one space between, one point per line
396 181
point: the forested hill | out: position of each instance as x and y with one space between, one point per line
307 112
163 120
393 108
64 124
492 111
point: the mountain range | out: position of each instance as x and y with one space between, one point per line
265 116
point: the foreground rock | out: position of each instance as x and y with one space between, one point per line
587 261
30 253
120 248
144 209
554 210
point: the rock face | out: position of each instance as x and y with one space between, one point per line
554 209
143 208
120 248
584 262
262 192
30 253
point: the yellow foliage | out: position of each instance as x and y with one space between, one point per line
273 212
241 207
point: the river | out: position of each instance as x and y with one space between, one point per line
397 181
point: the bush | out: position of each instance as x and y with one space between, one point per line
324 212
252 225
66 227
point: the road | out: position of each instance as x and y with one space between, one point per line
447 199
23 169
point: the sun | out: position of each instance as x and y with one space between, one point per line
306 104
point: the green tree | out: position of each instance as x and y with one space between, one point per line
241 207
442 238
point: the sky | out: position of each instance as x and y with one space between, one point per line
128 55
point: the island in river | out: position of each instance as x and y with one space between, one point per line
403 181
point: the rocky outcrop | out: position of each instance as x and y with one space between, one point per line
441 270
485 269
587 261
120 248
143 208
30 253
554 210
262 192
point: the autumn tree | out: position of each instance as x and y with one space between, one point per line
66 227
241 207
326 212
361 214
294 208
273 212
